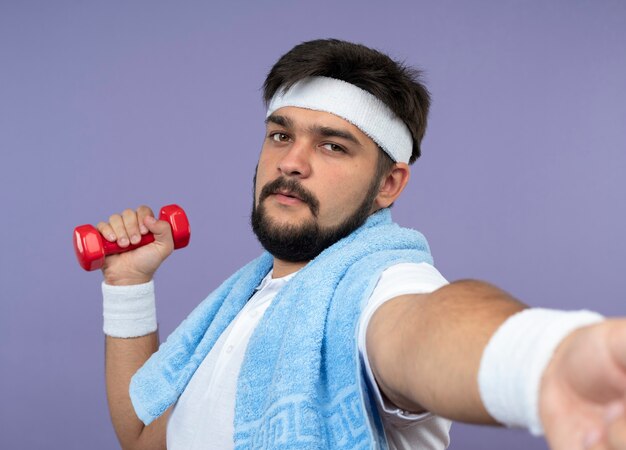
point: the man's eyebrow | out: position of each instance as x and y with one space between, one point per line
320 130
333 132
280 120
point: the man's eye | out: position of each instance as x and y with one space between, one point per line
279 137
333 147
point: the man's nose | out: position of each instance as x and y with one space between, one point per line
296 160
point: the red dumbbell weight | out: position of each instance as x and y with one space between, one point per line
91 248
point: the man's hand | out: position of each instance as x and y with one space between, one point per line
583 391
137 266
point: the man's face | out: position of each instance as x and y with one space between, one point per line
315 182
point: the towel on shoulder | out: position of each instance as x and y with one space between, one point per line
300 384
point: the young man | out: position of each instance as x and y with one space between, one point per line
343 335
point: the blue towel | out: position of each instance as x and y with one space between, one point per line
301 385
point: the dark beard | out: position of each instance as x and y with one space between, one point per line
301 243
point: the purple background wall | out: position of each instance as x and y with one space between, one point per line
111 105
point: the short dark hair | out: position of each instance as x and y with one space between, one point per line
395 84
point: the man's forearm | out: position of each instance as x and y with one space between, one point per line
426 349
130 326
122 359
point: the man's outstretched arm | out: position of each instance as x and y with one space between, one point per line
426 351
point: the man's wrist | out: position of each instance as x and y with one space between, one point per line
113 280
515 359
129 310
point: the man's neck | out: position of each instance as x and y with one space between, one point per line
284 268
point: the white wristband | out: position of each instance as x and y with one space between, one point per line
514 361
129 311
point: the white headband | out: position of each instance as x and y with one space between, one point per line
353 104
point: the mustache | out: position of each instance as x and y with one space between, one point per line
291 186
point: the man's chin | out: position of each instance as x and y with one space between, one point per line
286 226
288 216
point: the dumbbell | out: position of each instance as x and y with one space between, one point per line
91 248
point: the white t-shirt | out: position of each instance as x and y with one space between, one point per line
203 417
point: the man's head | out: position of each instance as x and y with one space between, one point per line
319 175
398 86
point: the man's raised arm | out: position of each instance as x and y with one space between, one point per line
130 319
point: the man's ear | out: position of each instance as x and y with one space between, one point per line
392 185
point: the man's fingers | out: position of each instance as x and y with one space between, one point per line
142 212
117 223
107 231
616 432
598 446
132 225
126 228
614 437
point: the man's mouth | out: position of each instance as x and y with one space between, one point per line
288 194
